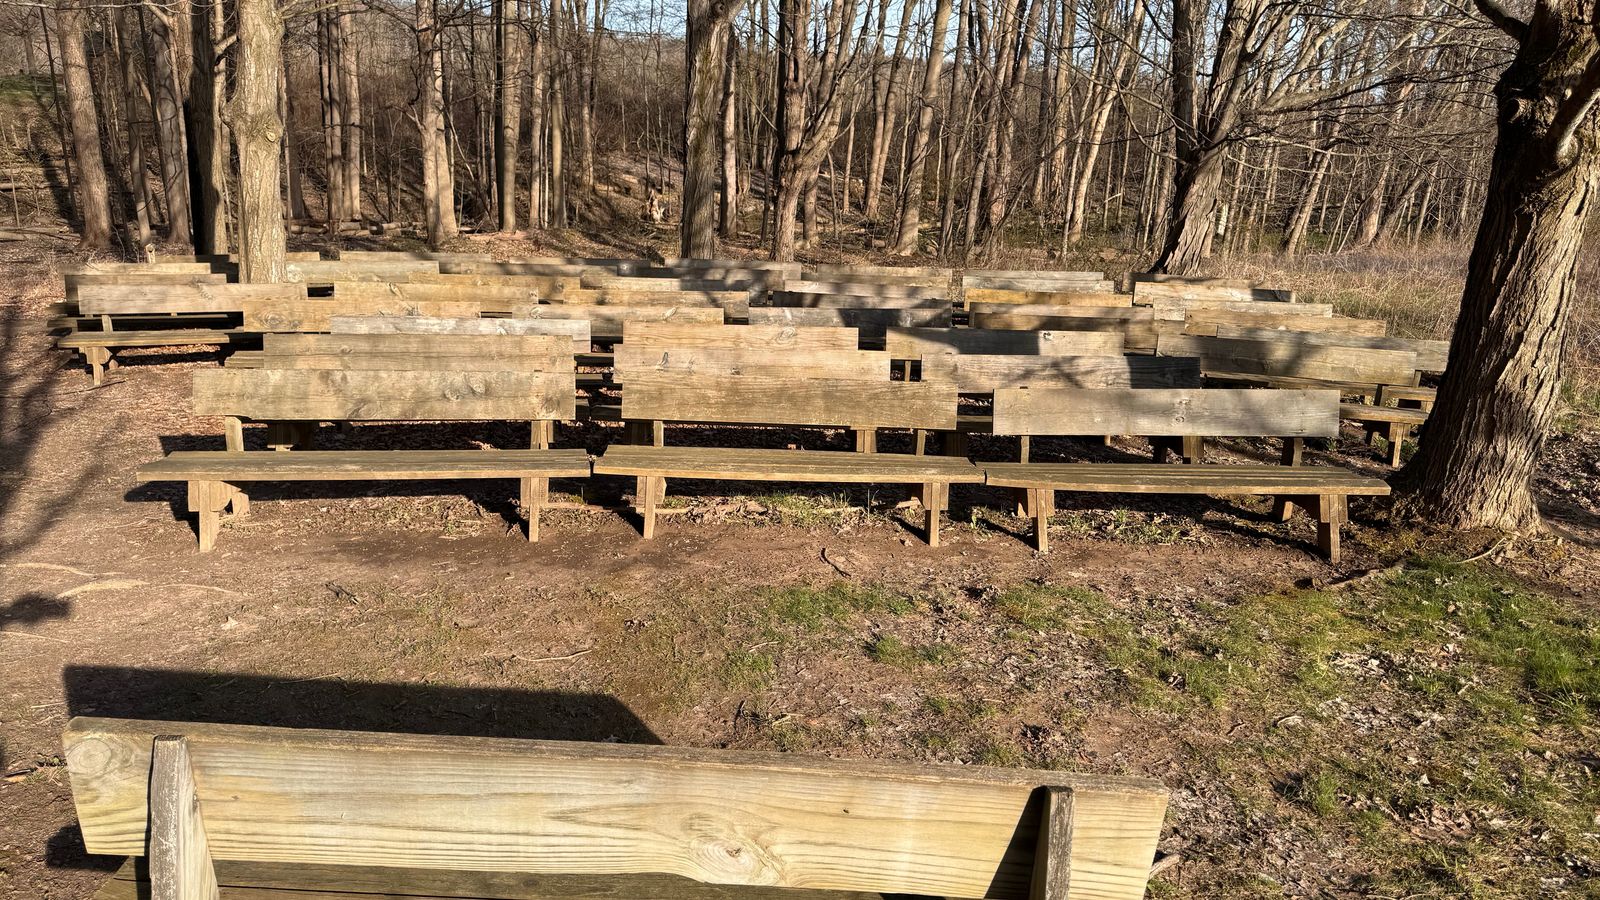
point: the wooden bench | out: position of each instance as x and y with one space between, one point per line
934 287
816 300
688 336
1393 423
495 296
331 271
1225 359
256 812
315 314
785 397
216 478
1322 491
917 343
1157 293
1139 326
577 329
872 323
1045 297
606 322
97 347
1207 320
76 280
1432 356
1034 280
110 301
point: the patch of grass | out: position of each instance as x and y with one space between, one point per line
1040 607
748 670
891 651
813 607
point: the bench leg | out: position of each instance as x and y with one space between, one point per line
239 501
1293 450
1397 438
866 440
654 486
1332 512
207 498
537 437
1025 498
658 433
180 859
233 433
1282 509
97 358
921 442
1042 500
1025 448
1193 449
534 493
931 503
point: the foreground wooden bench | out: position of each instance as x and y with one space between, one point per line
1322 491
332 815
216 479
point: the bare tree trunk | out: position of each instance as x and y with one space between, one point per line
705 61
207 145
509 129
917 160
1300 221
438 181
168 95
253 119
558 125
331 85
350 112
94 201
1501 392
291 161
793 16
883 102
728 212
538 216
137 113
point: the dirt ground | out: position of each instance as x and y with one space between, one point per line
1185 640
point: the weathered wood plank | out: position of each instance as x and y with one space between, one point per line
911 287
1167 293
365 465
419 352
914 343
1300 360
306 796
813 300
1038 281
738 337
777 400
189 297
576 328
370 256
433 292
1207 321
631 283
607 322
851 365
784 465
329 271
75 281
314 314
1139 326
1431 355
332 395
1157 478
160 337
975 374
871 322
995 296
551 268
180 860
1167 413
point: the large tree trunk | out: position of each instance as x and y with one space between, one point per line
509 128
438 182
705 59
917 160
94 198
1500 394
207 145
884 118
253 119
350 113
137 120
728 210
793 16
168 95
558 124
538 209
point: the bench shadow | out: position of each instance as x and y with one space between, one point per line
248 699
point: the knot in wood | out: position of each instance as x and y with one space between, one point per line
720 849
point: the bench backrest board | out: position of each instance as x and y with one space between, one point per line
668 284
74 282
865 272
1167 292
786 400
120 267
734 276
1039 281
914 343
555 807
544 285
1206 321
575 329
144 299
825 300
687 264
738 337
1355 365
607 321
313 314
1431 355
905 287
851 365
405 255
419 352
1139 326
1195 280
329 271
1260 307
335 395
735 303
1180 412
871 322
496 294
551 269
998 296
983 374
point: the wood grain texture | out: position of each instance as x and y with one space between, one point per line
914 343
1160 293
862 271
332 395
576 328
1222 356
779 400
419 352
608 321
934 288
738 337
812 300
1162 478
549 269
871 322
1431 355
1037 281
1167 413
1139 326
302 796
329 271
180 859
827 466
194 297
1046 298
406 255
118 267
420 291
359 465
974 374
736 303
849 365
1363 412
1052 868
1207 321
313 314
160 337
674 285
74 282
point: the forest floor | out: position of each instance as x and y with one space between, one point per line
1428 730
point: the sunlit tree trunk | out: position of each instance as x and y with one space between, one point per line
253 119
94 199
917 159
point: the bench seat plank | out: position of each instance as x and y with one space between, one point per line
156 337
1158 478
351 465
784 465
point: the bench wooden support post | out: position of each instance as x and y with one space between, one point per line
207 498
1396 436
921 446
535 491
1052 857
238 500
933 503
233 433
1024 497
658 433
1043 501
1332 512
97 358
866 440
541 434
180 859
1293 450
1026 442
654 485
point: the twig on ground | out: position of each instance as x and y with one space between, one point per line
582 652
1365 577
1165 863
833 564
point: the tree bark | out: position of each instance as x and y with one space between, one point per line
137 112
94 200
438 181
509 130
350 112
207 145
728 211
883 102
917 160
168 96
1501 392
253 119
705 62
